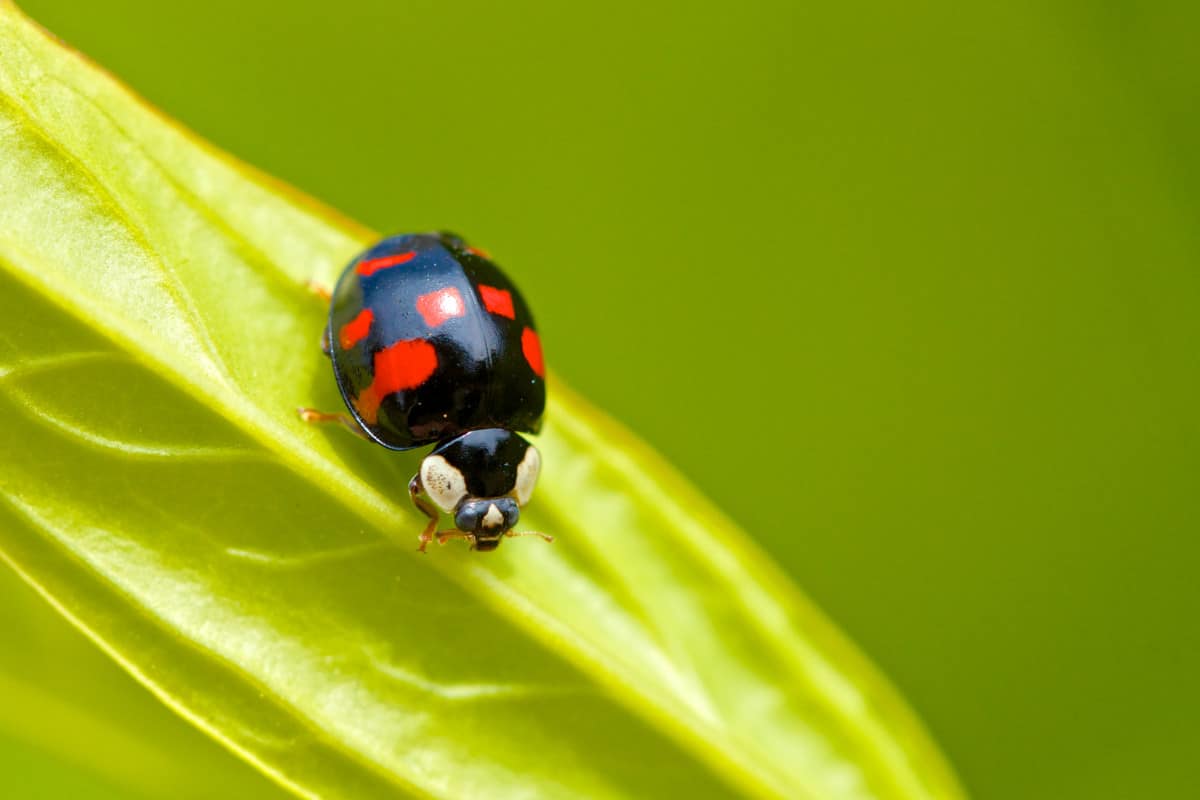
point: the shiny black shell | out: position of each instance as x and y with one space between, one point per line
428 339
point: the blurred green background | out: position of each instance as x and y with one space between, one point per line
909 289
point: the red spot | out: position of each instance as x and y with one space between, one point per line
531 346
367 405
356 329
477 251
437 307
371 266
497 301
404 365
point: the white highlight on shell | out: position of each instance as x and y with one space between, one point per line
451 304
444 484
527 474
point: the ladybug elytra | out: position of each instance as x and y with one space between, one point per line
432 344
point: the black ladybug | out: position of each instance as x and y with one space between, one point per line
431 343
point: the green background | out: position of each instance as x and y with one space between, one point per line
909 289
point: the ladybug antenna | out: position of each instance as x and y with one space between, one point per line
545 536
443 536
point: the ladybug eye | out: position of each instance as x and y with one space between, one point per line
527 474
443 483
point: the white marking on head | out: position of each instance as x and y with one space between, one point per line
444 484
493 518
527 474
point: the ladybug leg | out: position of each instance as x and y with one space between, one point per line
445 536
326 346
426 508
313 417
319 289
545 536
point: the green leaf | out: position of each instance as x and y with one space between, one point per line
73 723
260 577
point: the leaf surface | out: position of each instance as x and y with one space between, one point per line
260 576
95 731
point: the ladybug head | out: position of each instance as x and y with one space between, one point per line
483 478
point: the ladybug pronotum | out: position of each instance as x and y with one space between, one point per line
432 344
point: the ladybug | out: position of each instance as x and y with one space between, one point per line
432 344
